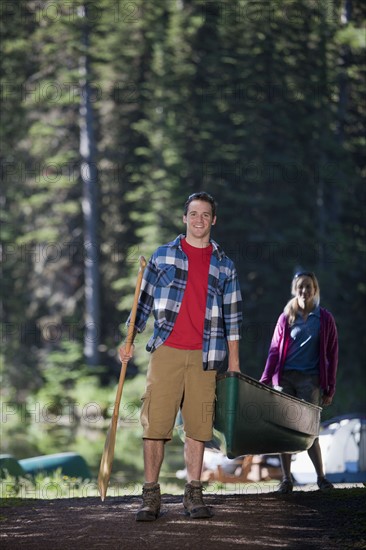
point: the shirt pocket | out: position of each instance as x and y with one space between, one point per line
166 275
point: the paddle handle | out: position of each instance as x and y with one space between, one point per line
130 336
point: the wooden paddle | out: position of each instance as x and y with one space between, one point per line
106 462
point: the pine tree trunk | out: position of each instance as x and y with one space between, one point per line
89 205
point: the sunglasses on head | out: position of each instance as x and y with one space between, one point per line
304 274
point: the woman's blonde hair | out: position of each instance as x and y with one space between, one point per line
292 307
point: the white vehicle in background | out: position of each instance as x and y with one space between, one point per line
343 444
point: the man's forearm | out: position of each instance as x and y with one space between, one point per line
233 360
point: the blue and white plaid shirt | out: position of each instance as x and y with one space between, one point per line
162 290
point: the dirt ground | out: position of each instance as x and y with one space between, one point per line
304 519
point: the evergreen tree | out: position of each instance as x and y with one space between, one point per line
259 103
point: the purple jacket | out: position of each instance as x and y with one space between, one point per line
328 360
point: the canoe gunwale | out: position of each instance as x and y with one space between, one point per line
264 387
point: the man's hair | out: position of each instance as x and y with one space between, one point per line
201 196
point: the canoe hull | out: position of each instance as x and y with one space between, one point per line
251 418
70 464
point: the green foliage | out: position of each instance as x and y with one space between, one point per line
72 412
261 104
13 492
42 486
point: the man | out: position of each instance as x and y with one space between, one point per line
192 288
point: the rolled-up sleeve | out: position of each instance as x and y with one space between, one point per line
232 307
146 298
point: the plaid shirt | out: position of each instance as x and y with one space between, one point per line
162 290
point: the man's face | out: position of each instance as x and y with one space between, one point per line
199 219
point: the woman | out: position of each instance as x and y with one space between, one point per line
302 361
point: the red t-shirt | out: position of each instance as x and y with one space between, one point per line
187 332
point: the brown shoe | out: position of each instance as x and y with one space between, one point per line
151 501
193 502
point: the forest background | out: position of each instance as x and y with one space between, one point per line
113 112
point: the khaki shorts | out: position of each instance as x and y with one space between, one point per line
176 380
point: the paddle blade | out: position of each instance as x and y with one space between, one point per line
106 462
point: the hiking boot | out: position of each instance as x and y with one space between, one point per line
193 502
285 487
151 500
324 485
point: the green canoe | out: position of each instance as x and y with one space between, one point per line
252 418
70 464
